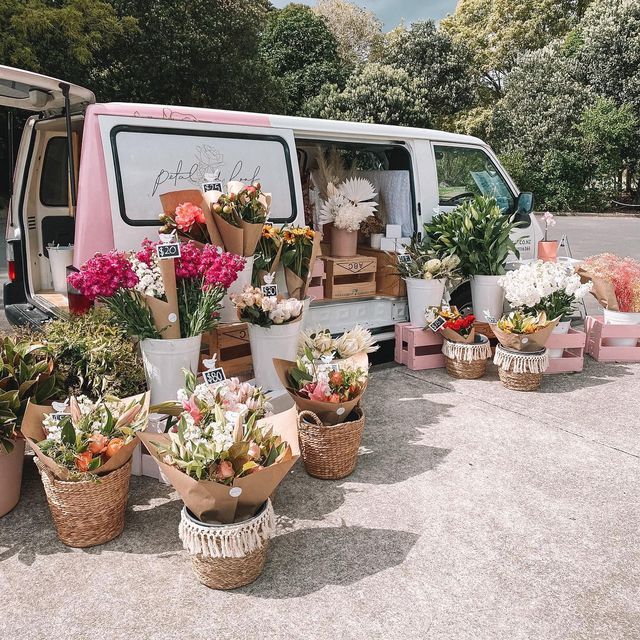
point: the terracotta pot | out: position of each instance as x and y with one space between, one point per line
344 244
548 250
11 477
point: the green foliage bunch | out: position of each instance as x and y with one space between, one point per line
478 233
94 356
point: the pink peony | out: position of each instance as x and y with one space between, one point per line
103 275
187 214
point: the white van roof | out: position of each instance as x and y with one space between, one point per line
21 89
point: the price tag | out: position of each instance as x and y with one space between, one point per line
211 186
437 324
168 251
404 258
214 376
269 290
235 492
59 416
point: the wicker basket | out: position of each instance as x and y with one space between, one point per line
519 370
228 556
466 361
87 513
330 452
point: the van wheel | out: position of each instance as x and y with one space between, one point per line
461 298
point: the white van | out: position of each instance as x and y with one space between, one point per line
91 174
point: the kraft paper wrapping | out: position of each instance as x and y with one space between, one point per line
454 336
328 412
527 343
603 290
161 310
172 199
296 286
211 501
251 233
34 433
232 237
261 273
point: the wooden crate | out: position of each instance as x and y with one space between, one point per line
230 344
349 277
316 284
388 282
417 348
598 332
572 358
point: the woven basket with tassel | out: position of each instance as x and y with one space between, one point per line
88 512
228 556
330 452
466 361
521 370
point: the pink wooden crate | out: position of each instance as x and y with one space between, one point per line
316 285
417 348
598 332
573 355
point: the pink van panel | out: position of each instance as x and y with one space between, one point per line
94 230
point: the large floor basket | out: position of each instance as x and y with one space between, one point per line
87 513
330 452
521 371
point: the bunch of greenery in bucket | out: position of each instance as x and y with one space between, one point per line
267 255
301 246
274 326
321 345
27 375
428 276
347 206
552 287
93 355
479 234
83 451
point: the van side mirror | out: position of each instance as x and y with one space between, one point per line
525 203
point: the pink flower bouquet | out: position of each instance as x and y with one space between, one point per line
154 298
616 281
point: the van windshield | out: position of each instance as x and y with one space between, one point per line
465 172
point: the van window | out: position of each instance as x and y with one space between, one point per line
464 172
151 161
54 183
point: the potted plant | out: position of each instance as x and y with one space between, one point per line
479 234
347 206
167 303
616 286
225 457
550 287
274 328
427 277
83 454
373 228
548 249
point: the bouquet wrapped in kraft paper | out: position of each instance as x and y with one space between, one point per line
300 249
228 498
521 332
330 390
451 324
239 214
188 213
85 438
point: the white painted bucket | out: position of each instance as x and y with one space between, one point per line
486 295
620 317
59 259
164 361
422 294
562 328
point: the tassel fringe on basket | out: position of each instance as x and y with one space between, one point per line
521 361
466 352
230 540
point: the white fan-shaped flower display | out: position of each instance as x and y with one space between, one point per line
348 204
357 190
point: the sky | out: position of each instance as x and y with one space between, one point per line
391 12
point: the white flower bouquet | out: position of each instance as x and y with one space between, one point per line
320 345
349 204
255 308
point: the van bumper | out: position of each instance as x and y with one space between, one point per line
25 314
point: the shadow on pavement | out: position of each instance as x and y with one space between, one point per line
305 561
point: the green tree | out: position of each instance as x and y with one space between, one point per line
196 52
498 31
357 31
374 93
440 65
61 38
302 52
